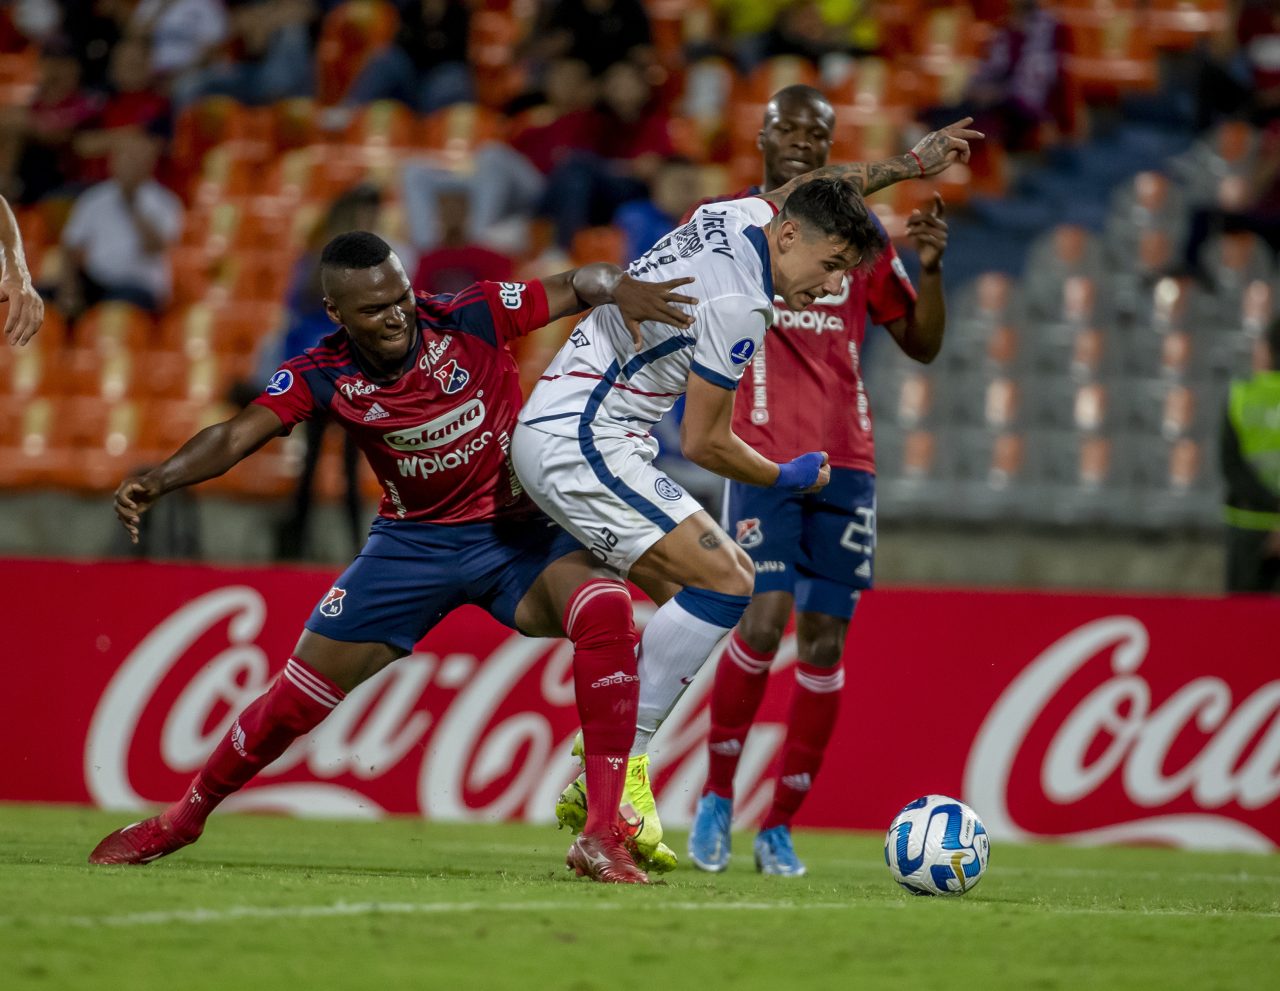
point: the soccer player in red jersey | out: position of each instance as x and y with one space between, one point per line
429 389
812 552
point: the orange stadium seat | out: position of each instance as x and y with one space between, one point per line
772 75
1182 24
19 76
27 457
114 325
168 424
598 244
349 35
102 436
946 43
294 123
87 371
455 132
26 373
874 91
1111 54
235 329
382 124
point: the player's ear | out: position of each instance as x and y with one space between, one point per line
760 139
331 311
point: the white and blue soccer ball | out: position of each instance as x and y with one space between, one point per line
937 846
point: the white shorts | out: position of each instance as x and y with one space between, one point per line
605 492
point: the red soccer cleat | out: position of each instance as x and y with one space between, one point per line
142 842
604 858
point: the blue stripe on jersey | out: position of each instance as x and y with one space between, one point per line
761 243
321 386
466 312
544 419
714 377
588 444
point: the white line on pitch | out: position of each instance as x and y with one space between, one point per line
198 916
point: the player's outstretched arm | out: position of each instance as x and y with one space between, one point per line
600 283
208 454
26 308
708 440
920 332
935 152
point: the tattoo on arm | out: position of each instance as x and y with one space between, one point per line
710 541
865 177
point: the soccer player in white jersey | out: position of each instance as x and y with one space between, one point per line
583 450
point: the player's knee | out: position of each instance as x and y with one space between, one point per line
600 613
762 632
736 575
824 651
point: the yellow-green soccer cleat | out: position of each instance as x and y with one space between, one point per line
638 814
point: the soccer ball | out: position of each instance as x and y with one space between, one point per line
937 846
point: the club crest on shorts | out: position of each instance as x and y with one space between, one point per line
281 382
742 351
331 604
668 489
750 533
452 377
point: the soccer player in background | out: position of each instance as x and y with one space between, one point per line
26 308
583 449
429 389
812 551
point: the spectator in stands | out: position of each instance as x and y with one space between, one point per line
632 137
1251 205
94 29
507 182
597 32
117 238
36 151
426 65
458 261
1017 87
675 190
307 324
133 102
1251 466
185 36
268 57
1242 74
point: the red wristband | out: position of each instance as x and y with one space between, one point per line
913 154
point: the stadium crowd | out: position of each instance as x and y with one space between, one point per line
174 163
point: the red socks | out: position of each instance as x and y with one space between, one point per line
813 717
599 621
741 678
295 704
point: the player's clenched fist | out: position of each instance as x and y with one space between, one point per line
133 498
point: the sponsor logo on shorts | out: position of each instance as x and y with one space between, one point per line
444 429
617 678
668 489
742 351
331 604
727 748
452 377
797 782
770 566
281 382
512 294
750 533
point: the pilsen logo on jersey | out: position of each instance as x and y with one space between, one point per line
452 377
750 533
331 604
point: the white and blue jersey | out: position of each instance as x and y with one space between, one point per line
583 449
599 382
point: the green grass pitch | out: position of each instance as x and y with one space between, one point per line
265 903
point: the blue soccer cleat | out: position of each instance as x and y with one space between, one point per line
709 835
775 854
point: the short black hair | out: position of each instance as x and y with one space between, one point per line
833 207
797 93
355 249
1273 342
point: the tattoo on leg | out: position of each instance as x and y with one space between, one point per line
710 541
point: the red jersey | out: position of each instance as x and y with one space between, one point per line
818 352
437 436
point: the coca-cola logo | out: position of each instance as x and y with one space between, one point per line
1117 733
493 750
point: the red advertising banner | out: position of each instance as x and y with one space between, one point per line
1080 718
